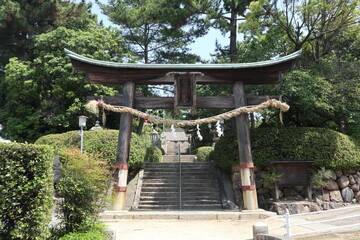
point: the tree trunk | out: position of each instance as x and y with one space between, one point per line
233 35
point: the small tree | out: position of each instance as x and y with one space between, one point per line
83 185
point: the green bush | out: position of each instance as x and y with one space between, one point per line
153 154
327 148
26 190
83 186
101 144
203 153
95 233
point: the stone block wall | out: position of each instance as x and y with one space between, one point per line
341 189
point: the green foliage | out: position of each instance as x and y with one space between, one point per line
45 95
324 90
155 36
270 178
26 190
320 178
153 154
91 235
100 144
326 147
21 21
83 186
203 153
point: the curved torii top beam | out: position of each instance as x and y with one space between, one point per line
113 73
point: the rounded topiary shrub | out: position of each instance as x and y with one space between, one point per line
326 147
101 144
153 154
203 153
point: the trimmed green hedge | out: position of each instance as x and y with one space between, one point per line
153 154
101 144
203 153
26 189
328 148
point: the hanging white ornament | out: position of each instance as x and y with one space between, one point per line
219 130
173 130
198 133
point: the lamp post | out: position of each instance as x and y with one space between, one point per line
82 124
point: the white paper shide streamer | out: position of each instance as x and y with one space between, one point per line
198 133
173 130
219 130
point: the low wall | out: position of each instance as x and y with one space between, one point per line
340 190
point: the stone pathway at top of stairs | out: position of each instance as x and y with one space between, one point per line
175 158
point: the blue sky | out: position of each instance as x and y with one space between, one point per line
203 46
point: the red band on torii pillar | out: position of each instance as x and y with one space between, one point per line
248 188
246 165
121 166
119 189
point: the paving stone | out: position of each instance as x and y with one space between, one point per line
333 174
355 187
347 194
343 181
331 185
335 196
338 173
352 179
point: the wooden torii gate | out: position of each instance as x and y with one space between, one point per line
184 77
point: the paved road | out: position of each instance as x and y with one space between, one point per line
324 221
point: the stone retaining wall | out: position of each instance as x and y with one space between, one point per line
341 189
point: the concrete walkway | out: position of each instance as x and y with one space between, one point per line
229 225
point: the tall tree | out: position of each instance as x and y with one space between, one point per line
307 24
226 16
159 30
45 95
322 92
22 20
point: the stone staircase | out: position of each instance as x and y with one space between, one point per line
161 187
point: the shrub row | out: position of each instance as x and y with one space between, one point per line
26 190
203 153
102 144
326 147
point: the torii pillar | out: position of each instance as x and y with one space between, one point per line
123 149
244 144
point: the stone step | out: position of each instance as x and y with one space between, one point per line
183 194
177 180
176 198
202 194
184 203
147 164
175 158
183 207
185 177
177 184
183 189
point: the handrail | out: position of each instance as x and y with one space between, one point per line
179 152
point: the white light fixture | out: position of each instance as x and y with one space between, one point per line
82 124
82 121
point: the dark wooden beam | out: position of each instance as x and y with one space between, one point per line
223 102
246 161
123 149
